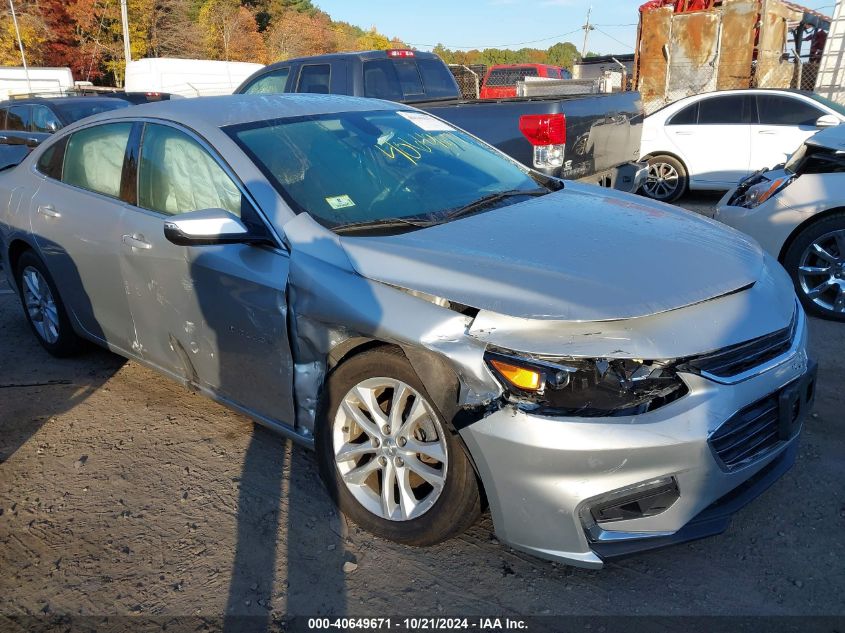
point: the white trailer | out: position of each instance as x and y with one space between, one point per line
42 81
186 77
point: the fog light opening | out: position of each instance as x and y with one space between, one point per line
646 502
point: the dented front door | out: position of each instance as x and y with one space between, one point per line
214 316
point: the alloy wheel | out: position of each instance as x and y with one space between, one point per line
40 305
390 449
662 181
821 272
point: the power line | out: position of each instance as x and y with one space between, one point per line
613 38
542 39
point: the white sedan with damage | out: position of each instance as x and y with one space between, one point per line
446 327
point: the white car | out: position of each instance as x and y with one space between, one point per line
711 141
797 213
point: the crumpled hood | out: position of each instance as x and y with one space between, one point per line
581 254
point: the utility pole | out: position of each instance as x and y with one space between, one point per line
587 28
124 16
20 46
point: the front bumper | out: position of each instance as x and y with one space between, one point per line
543 474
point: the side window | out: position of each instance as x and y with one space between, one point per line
687 116
553 73
44 120
781 110
315 78
18 118
270 84
50 162
727 110
94 158
176 175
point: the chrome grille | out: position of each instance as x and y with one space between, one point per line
736 359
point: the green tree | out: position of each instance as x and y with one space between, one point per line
563 54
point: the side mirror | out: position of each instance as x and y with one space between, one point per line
827 120
52 127
208 227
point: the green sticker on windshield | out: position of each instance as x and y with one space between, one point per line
340 202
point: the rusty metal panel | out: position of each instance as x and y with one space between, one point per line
655 27
693 52
772 71
736 43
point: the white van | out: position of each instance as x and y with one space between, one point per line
186 77
43 82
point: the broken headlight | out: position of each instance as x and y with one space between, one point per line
587 387
756 194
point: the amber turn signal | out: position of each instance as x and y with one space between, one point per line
520 377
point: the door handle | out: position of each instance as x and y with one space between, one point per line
3 138
683 133
49 211
137 241
766 132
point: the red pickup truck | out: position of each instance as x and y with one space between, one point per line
500 80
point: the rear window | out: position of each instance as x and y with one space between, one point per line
509 76
75 110
408 80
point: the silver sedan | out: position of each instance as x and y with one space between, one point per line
446 327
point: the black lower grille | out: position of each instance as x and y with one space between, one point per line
765 424
736 359
747 434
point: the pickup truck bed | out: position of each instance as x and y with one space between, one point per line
602 138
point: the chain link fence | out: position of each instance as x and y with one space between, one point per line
677 81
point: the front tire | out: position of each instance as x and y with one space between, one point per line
667 179
388 459
43 307
816 262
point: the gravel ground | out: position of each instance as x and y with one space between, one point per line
122 493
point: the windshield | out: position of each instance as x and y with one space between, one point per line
76 110
364 167
836 107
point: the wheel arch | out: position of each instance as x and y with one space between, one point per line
793 235
670 154
17 248
435 374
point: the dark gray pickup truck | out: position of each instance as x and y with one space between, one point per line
594 138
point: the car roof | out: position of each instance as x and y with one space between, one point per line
49 100
330 57
830 137
221 111
679 103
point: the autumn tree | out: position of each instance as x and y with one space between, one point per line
33 34
372 40
172 33
230 32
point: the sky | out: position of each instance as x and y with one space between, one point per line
513 24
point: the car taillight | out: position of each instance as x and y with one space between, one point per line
400 53
547 133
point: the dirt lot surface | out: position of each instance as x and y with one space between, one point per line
122 493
